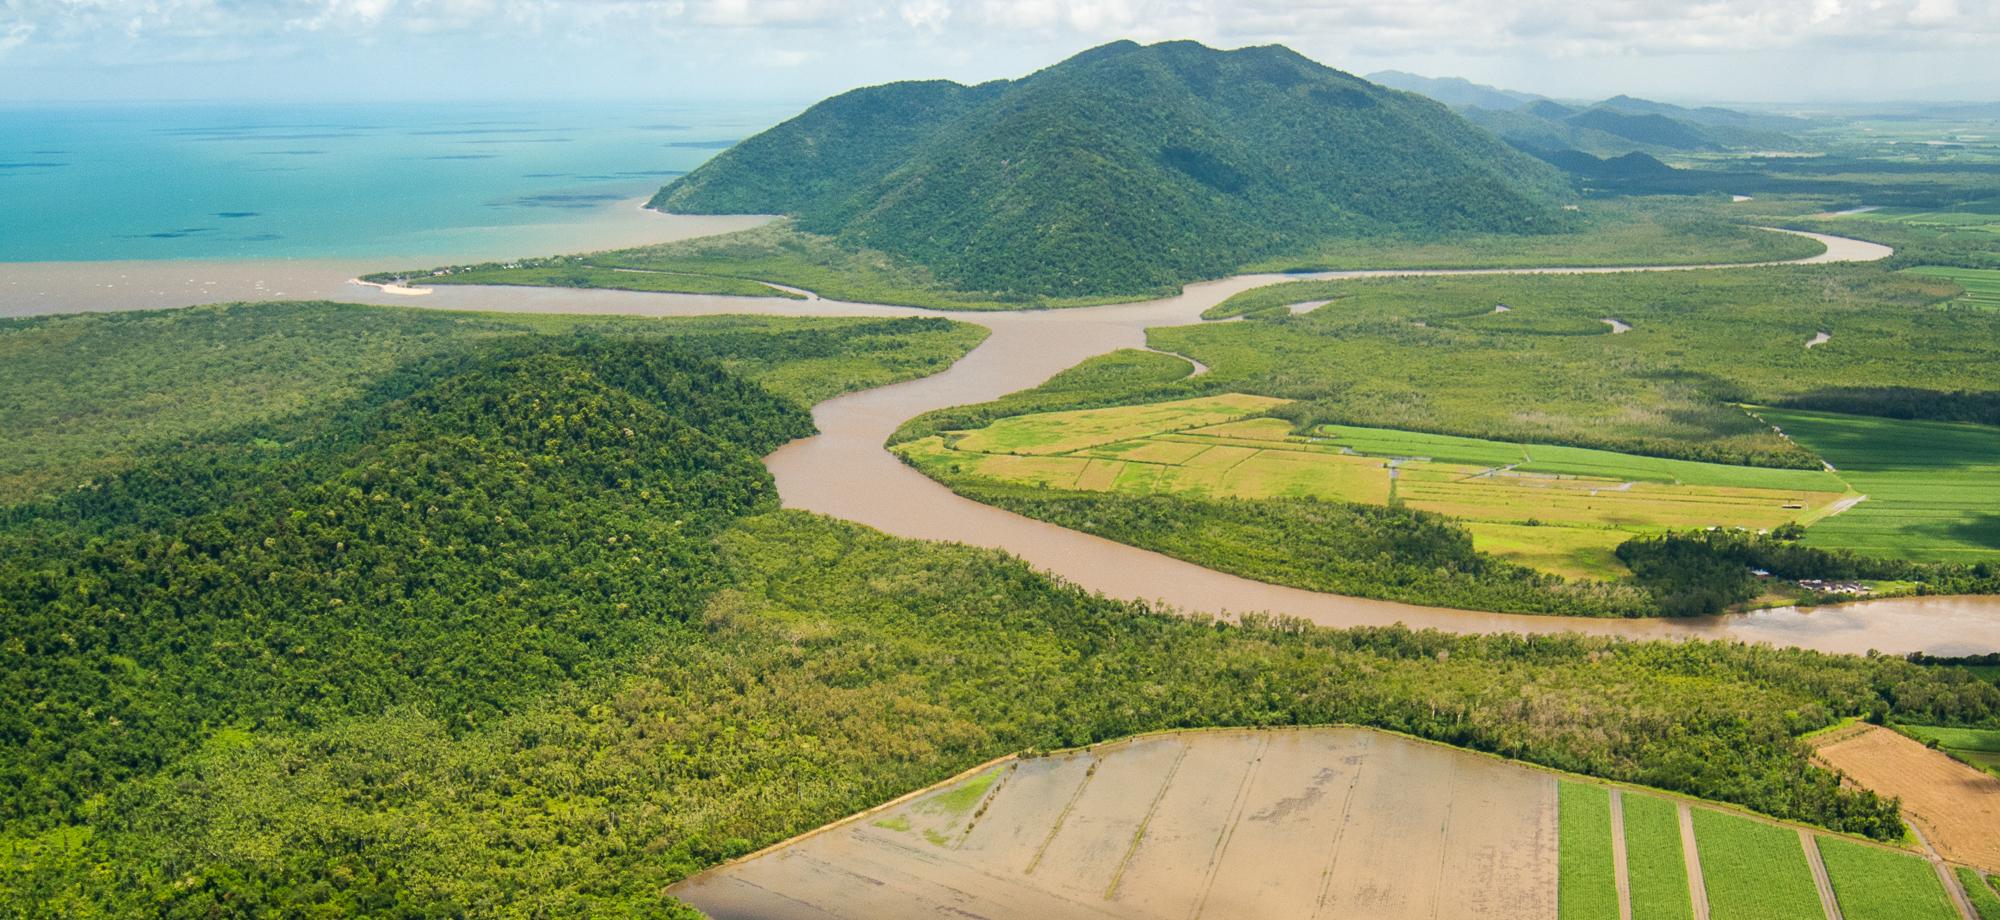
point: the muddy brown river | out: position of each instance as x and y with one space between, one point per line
845 472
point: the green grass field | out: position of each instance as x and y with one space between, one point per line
735 263
1872 883
1627 231
1753 870
1982 285
1933 487
1587 886
1430 354
565 274
1655 869
1985 901
1962 739
1559 509
1977 746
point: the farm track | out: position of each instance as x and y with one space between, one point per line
845 472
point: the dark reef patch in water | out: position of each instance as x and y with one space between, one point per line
561 200
238 215
454 132
181 233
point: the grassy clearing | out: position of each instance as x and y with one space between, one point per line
1976 746
1753 870
1933 487
1430 354
1985 901
1051 433
1872 883
1561 510
1654 865
961 798
1982 286
1649 231
1963 739
580 275
733 263
1587 885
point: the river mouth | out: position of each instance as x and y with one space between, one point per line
846 472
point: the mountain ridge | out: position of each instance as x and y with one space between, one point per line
1126 169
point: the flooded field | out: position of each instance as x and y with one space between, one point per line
1311 823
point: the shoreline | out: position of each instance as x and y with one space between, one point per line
100 286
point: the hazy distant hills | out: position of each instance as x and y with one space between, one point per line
1615 126
1456 92
1127 168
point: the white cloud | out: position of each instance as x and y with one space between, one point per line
13 35
925 15
916 37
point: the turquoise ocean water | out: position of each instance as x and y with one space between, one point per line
339 181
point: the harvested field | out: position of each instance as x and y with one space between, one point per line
1956 806
1322 822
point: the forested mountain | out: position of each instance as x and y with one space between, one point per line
1623 124
1126 169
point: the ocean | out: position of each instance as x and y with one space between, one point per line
430 182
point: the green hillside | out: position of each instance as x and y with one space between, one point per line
1127 169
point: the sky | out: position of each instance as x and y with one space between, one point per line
1809 51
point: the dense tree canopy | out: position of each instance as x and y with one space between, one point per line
1127 169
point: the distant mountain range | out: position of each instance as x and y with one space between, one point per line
1612 127
1456 92
1126 169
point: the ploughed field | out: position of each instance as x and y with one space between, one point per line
1560 509
1329 822
1955 806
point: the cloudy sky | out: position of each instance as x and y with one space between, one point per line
1717 50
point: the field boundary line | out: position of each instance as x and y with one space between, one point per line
1621 871
1828 903
1062 818
1229 828
1444 838
986 802
1952 889
1691 855
1139 833
1340 833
